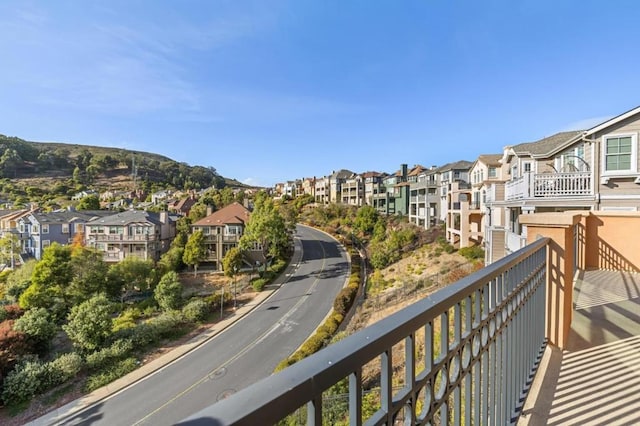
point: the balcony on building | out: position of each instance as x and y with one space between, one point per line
546 335
550 186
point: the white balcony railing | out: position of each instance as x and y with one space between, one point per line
515 241
549 185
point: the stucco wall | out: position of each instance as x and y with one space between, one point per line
612 241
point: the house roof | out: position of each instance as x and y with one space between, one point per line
371 174
457 165
416 170
342 174
546 145
68 216
128 217
233 214
613 121
185 204
490 159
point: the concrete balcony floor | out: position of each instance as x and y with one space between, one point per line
596 380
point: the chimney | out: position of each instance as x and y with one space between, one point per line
164 217
403 167
209 210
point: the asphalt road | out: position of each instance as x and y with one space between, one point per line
242 354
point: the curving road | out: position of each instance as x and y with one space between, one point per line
243 353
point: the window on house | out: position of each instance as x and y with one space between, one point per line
65 228
620 153
35 229
45 229
46 243
493 172
526 167
79 227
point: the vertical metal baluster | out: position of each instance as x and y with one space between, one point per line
486 374
503 359
410 378
386 385
468 397
355 397
314 411
493 367
428 361
444 348
477 376
457 334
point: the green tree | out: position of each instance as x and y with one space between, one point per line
19 280
50 280
194 251
366 219
39 328
131 274
89 324
266 228
9 249
90 202
232 261
168 292
89 273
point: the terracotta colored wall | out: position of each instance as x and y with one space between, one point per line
612 241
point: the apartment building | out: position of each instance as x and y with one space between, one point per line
449 173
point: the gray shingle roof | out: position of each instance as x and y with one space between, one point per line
130 216
70 216
490 159
458 165
546 145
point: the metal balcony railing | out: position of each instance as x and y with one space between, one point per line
467 353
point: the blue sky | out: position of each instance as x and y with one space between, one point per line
267 91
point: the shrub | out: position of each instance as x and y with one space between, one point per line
23 383
90 323
39 327
64 368
109 375
259 283
196 310
102 358
168 292
472 253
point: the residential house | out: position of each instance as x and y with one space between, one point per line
309 186
159 197
394 199
143 234
372 186
466 217
595 169
336 180
39 230
82 194
183 207
352 191
424 199
222 231
322 190
449 173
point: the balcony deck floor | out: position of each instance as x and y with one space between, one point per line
596 380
